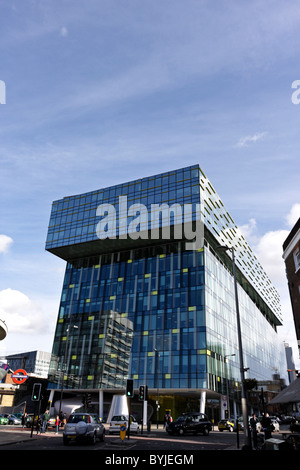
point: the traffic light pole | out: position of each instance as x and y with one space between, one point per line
36 398
129 395
143 397
32 424
129 411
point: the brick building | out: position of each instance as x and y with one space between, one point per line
291 256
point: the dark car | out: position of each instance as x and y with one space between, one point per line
190 423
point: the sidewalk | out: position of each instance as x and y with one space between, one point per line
13 434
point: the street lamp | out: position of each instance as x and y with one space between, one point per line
242 369
157 374
62 368
227 391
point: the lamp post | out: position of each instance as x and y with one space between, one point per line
62 368
157 374
242 369
227 391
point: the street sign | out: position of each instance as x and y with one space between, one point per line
122 431
19 376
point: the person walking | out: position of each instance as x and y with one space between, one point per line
24 418
57 422
267 426
38 424
253 427
45 420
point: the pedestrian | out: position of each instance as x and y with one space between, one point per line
38 424
253 427
24 418
57 422
45 420
267 426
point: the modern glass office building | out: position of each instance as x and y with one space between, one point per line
141 301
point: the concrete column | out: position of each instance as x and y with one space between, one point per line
145 413
51 400
202 401
234 410
101 404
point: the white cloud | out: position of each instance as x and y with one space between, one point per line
268 250
249 231
243 142
20 314
293 215
5 243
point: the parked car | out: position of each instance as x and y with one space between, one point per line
29 419
118 420
83 427
286 419
275 424
51 422
3 419
226 425
13 419
190 422
240 424
295 426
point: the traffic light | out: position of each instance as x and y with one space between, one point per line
36 392
129 388
142 393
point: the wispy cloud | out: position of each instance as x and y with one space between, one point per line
5 243
64 31
293 215
268 250
244 141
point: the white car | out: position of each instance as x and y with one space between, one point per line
83 426
275 424
118 420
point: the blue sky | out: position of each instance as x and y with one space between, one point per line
109 91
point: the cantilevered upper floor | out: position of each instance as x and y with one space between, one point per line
76 222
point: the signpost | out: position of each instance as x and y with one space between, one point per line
35 397
123 432
19 376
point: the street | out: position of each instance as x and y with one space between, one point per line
155 448
157 440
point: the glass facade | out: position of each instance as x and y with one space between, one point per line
74 219
152 310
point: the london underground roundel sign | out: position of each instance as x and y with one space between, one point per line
19 376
